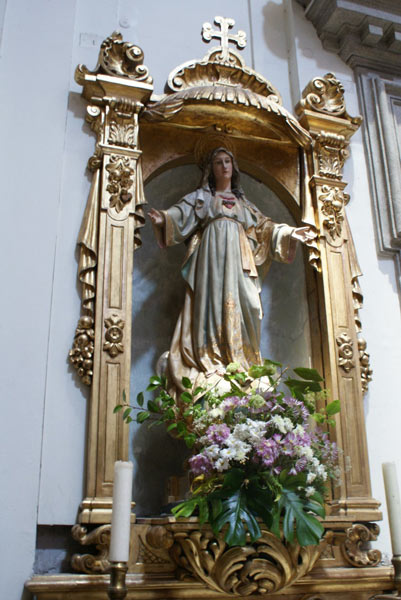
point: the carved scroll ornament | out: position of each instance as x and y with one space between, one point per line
90 563
264 567
355 547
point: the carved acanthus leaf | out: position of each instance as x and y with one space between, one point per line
263 567
122 134
355 546
345 352
117 57
332 152
120 182
89 563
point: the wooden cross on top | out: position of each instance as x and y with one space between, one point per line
225 24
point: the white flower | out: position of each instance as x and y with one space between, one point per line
310 477
212 451
216 413
238 449
222 464
309 491
305 451
261 385
299 430
284 425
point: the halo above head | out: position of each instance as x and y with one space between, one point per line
207 144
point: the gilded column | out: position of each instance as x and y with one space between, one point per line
322 112
116 90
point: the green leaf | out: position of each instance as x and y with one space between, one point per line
155 380
297 514
152 386
186 397
190 440
185 509
126 412
303 386
186 382
140 399
129 420
333 408
152 406
203 510
142 416
318 417
237 515
258 371
309 374
171 426
124 397
117 408
199 390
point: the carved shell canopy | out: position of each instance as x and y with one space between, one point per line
222 77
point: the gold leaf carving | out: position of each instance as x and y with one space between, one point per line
122 134
263 567
333 200
332 153
326 95
81 353
89 563
114 335
345 352
364 360
355 546
120 173
117 57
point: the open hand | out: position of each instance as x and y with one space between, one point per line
303 234
156 217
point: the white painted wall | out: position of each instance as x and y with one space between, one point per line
43 155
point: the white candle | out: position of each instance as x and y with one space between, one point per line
393 504
121 515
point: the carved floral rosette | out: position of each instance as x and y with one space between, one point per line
265 566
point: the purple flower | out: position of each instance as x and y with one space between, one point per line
297 407
200 464
267 451
216 434
299 466
233 402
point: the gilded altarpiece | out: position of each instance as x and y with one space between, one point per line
217 101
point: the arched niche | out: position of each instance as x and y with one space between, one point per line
157 298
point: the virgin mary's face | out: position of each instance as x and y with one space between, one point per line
222 168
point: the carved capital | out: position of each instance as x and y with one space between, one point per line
331 150
333 200
355 547
89 563
114 335
345 352
81 353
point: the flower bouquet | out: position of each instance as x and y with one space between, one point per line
260 450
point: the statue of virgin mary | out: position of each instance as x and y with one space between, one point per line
230 246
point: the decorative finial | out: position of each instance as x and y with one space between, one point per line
225 24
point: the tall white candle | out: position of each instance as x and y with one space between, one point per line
393 504
121 516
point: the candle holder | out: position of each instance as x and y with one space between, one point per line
396 594
117 589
